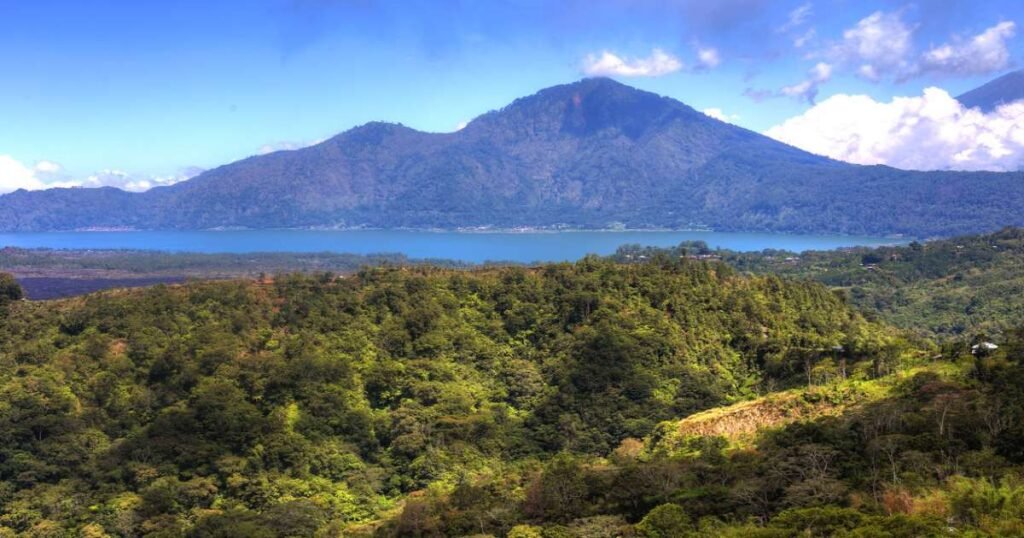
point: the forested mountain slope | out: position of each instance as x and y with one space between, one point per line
966 286
569 400
318 403
592 154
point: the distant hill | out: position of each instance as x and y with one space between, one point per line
592 154
950 288
1005 89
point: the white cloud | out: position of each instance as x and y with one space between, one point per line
47 174
708 57
808 88
14 176
608 64
719 115
795 27
878 44
930 132
286 146
133 183
47 167
982 54
869 72
803 39
881 45
797 17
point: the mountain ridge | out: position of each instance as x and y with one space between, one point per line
591 154
989 96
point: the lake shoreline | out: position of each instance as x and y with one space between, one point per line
473 247
59 264
470 230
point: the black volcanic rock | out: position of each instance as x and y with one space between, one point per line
1005 89
591 154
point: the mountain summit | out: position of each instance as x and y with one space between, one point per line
591 154
1005 89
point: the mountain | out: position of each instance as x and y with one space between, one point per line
1005 89
591 154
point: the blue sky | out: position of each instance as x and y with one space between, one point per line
152 90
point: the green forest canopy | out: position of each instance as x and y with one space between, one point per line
504 401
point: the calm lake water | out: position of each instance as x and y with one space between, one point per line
470 247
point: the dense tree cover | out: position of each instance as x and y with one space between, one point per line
937 455
968 286
398 401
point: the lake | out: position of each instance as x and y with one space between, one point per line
464 246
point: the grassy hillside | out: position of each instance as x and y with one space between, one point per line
743 422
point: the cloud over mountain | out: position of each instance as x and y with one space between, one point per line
932 131
15 175
609 64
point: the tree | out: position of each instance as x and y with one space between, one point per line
232 524
665 521
559 492
823 521
10 290
525 531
